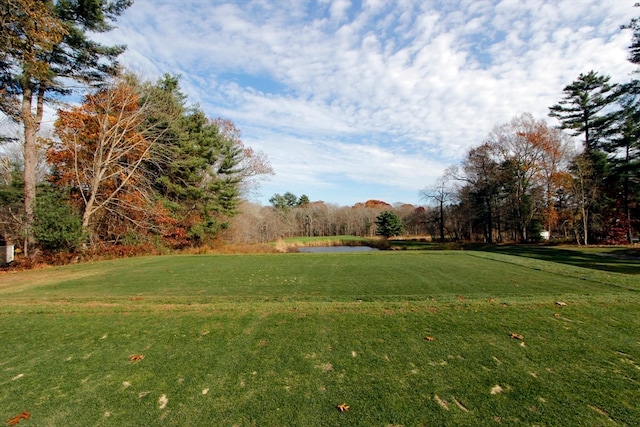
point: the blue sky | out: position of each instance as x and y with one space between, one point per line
372 99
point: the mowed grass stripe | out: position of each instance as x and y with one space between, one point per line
332 277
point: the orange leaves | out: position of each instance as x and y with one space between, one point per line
32 31
429 338
376 204
343 407
516 336
136 357
101 147
15 420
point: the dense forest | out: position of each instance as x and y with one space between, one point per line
133 166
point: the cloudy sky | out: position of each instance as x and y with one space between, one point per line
372 99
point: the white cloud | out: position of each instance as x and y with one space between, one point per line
390 94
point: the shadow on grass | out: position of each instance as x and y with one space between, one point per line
421 244
617 260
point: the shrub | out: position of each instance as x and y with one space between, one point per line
57 226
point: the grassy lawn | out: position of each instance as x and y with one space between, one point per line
281 339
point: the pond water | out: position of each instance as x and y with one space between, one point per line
332 249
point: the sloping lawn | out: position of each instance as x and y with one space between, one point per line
402 338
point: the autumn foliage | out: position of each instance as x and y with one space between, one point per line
102 145
141 166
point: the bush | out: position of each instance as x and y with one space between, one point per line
57 226
534 231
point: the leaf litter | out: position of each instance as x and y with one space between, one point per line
15 420
162 401
441 402
343 407
136 357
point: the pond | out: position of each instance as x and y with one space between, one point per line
333 249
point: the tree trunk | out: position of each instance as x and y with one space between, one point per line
585 223
627 208
489 223
31 126
441 221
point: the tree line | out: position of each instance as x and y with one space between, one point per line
291 216
527 177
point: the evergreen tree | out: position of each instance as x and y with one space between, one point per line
287 201
57 226
634 48
389 224
624 161
583 110
197 169
303 200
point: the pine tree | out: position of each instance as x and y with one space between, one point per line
389 224
46 44
583 110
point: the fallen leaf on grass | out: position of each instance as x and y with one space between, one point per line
516 336
325 367
343 407
599 411
461 406
15 420
429 338
136 357
561 304
496 389
441 402
459 297
162 401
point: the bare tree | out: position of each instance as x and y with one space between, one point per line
441 193
101 149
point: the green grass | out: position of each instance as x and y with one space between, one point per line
331 240
608 258
281 339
